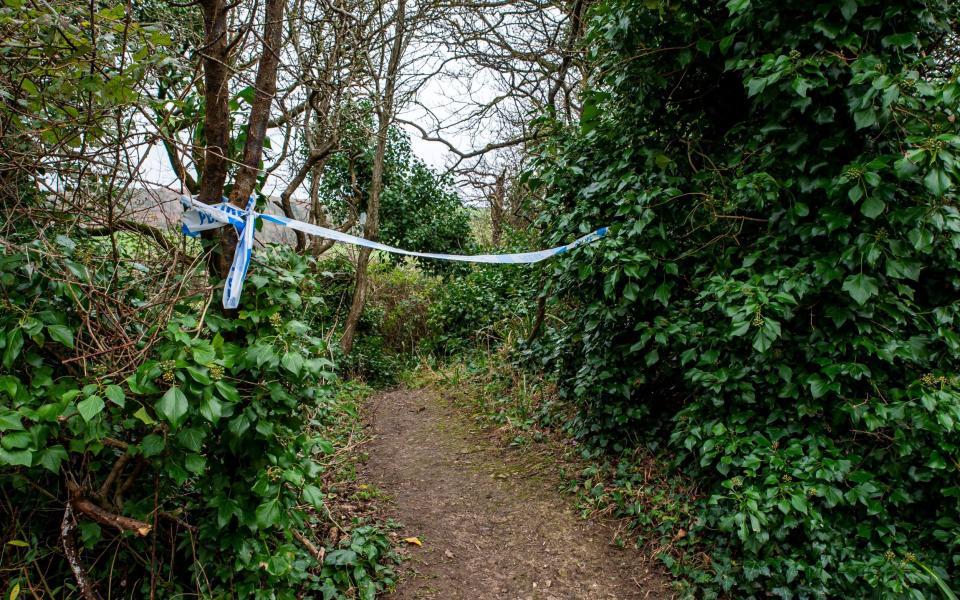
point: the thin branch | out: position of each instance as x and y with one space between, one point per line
67 525
317 553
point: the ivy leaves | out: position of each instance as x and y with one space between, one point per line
799 275
13 345
268 514
62 334
937 182
861 287
173 406
90 407
217 418
293 362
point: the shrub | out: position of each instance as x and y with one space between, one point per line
393 323
780 300
487 304
207 451
402 293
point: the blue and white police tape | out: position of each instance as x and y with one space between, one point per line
198 217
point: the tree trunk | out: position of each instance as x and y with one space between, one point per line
314 163
370 230
265 89
216 122
541 312
496 209
216 118
371 227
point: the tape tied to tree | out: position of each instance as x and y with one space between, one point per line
198 217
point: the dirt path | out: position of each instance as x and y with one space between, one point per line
490 519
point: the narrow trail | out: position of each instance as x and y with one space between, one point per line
491 521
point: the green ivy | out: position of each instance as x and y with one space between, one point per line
485 304
779 303
224 425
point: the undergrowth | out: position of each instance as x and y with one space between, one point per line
393 324
637 490
212 459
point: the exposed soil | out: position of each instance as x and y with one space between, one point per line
490 518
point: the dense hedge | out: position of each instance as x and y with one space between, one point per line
780 301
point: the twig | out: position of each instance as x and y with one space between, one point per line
131 479
115 472
203 315
153 550
94 512
172 517
317 553
70 550
115 443
26 576
99 352
84 505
